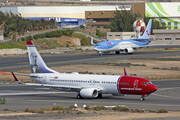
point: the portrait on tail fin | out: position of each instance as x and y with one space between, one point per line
34 67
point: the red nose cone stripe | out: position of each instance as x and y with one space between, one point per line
29 42
134 85
155 88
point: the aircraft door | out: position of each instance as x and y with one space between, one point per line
136 86
40 79
44 80
104 45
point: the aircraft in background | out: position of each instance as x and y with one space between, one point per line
128 46
87 86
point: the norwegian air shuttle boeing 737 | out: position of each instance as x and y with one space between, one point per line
128 46
87 86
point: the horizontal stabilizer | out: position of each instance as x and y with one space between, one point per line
15 78
155 45
30 75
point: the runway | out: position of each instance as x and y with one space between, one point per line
22 62
20 97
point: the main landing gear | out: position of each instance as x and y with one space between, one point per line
142 98
99 95
117 52
79 96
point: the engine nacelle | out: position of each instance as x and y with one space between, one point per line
89 93
129 50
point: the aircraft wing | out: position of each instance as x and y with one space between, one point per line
154 45
51 85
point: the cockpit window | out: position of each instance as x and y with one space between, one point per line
146 83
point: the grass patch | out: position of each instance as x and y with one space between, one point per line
80 112
114 64
137 111
3 100
57 108
155 58
43 43
84 40
9 45
99 107
152 111
120 108
171 68
87 108
42 110
162 111
71 107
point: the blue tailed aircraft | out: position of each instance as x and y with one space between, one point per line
128 46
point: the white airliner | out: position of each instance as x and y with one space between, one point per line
128 46
87 86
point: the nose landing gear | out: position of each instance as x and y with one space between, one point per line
100 53
142 98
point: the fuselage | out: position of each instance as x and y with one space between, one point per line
106 83
117 45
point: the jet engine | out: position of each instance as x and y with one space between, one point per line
128 50
89 92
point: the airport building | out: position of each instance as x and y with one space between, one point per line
66 15
166 12
100 15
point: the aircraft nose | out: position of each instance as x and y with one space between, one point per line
95 48
153 88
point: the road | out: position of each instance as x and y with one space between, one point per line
22 62
20 97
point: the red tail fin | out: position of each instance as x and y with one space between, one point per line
125 72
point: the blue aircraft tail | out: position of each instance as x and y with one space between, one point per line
147 32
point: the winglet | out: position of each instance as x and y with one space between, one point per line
92 41
172 40
15 78
125 72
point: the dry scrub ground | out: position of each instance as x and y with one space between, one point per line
140 71
98 115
